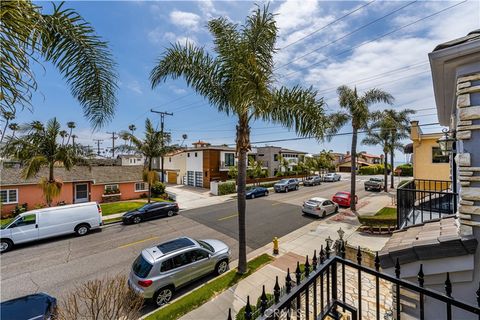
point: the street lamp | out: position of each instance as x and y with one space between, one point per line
446 142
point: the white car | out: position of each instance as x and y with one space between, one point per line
320 207
331 177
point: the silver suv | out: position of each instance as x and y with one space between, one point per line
159 271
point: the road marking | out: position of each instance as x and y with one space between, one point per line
140 241
228 217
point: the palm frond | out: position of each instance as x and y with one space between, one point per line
33 165
376 96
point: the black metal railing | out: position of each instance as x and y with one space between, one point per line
419 201
331 286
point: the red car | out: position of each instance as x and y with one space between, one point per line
343 198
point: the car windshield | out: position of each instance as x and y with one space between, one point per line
144 208
205 245
341 195
283 181
329 175
314 201
141 267
376 179
4 226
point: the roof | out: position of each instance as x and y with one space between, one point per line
210 147
473 35
283 150
96 174
432 240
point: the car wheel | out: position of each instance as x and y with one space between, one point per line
5 245
324 214
253 196
163 296
286 189
221 267
137 219
82 229
336 209
170 213
296 187
266 193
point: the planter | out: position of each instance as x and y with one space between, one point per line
111 197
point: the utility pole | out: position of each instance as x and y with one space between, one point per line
114 137
98 141
162 120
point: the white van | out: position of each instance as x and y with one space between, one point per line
50 222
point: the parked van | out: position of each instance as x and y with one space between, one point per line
50 222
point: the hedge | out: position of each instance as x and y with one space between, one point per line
158 188
407 170
373 169
226 188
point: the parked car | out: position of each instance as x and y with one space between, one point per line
286 185
312 181
50 222
343 198
374 184
256 192
150 211
33 306
159 271
319 207
331 177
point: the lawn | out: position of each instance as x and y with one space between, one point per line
206 292
119 207
385 217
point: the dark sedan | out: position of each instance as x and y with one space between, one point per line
151 211
256 192
33 306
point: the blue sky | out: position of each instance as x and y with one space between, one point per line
348 51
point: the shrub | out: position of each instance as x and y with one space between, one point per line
158 188
226 188
241 313
407 170
143 196
373 169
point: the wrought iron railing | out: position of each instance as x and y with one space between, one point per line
419 201
333 287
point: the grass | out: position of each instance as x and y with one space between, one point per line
385 217
119 207
5 221
206 292
113 220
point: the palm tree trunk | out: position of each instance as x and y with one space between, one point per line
148 178
4 129
353 173
392 182
385 173
51 179
243 136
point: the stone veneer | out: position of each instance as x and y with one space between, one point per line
468 131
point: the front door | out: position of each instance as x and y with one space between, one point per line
81 192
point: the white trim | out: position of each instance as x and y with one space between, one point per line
111 184
135 187
8 196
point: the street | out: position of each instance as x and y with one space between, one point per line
55 266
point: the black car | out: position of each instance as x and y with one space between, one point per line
150 211
34 306
256 192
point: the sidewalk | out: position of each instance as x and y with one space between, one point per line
293 247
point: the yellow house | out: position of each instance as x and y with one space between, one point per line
428 161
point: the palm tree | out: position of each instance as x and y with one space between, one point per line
255 169
14 127
8 116
63 134
357 112
71 125
238 80
283 164
380 138
132 129
399 122
150 147
71 44
38 148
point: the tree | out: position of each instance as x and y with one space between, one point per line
380 138
399 125
150 147
132 129
38 148
63 134
238 80
356 111
14 127
70 125
7 116
65 39
283 164
255 169
326 159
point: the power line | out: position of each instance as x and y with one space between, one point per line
114 137
162 121
98 141
328 24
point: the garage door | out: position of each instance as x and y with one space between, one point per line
172 177
190 178
198 179
344 169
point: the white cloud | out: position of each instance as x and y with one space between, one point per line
177 90
293 14
134 86
188 20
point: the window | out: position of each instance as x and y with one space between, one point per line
141 267
275 157
175 262
140 186
24 221
169 159
196 255
188 154
9 195
195 154
139 159
111 187
438 157
229 159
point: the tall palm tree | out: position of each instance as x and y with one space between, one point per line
38 148
70 125
380 138
356 111
63 134
150 147
14 127
132 129
399 123
7 116
71 44
238 79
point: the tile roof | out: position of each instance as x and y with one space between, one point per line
432 240
471 36
96 174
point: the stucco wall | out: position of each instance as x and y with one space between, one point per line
194 163
423 166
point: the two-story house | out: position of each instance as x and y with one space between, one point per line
270 157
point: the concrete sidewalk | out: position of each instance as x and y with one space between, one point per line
294 247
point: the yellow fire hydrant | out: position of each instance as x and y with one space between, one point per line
275 245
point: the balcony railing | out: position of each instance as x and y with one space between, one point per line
332 287
419 201
226 165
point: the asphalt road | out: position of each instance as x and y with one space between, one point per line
56 266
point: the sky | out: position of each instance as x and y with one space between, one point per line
323 44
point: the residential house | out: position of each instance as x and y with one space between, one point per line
447 248
428 161
175 166
81 184
131 159
270 155
363 160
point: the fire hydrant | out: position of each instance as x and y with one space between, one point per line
275 245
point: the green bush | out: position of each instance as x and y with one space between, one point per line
158 188
226 188
407 170
373 169
241 313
